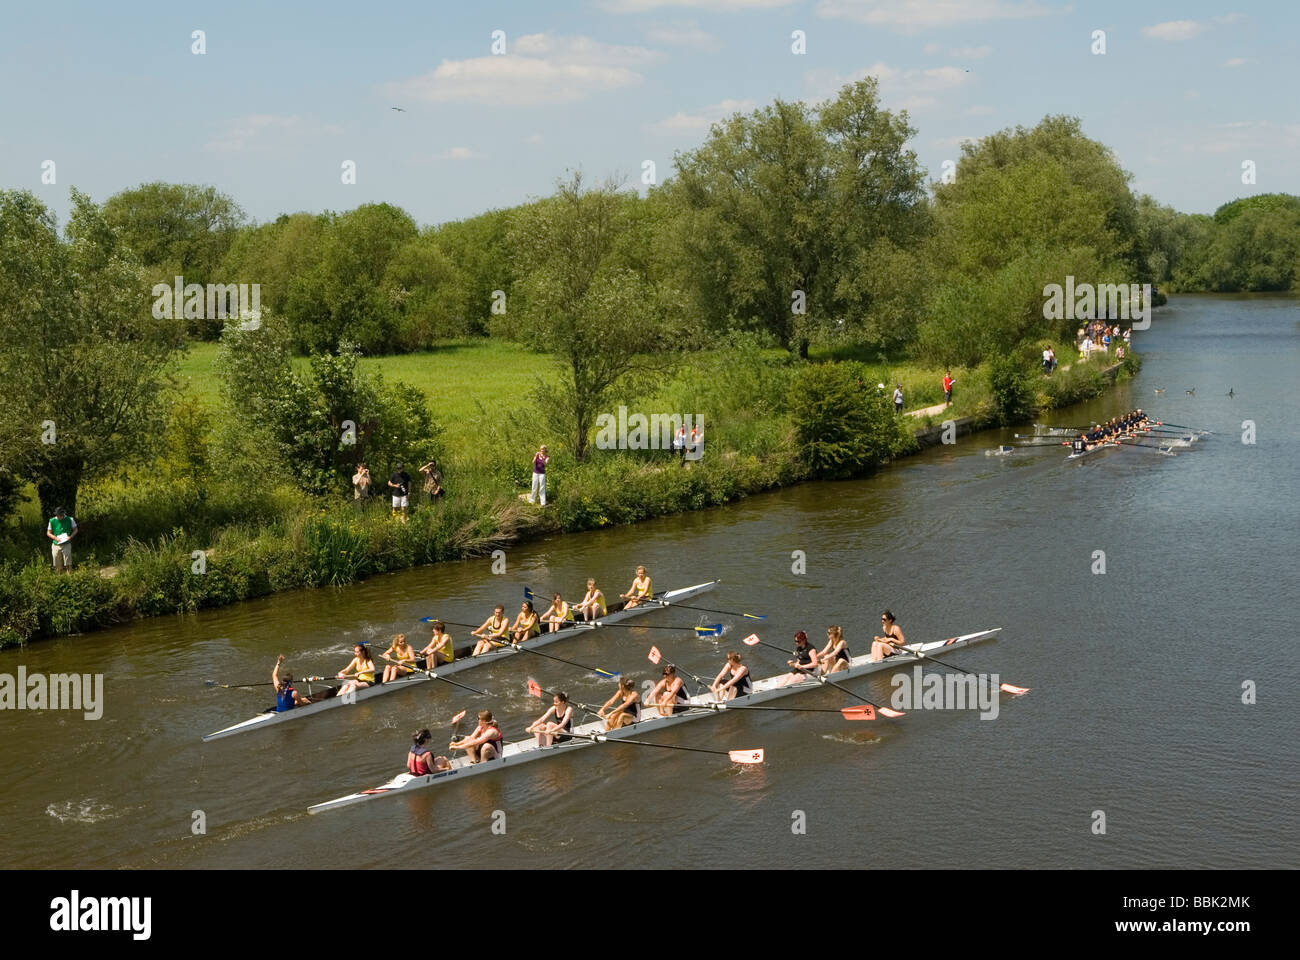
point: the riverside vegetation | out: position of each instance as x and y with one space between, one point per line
772 303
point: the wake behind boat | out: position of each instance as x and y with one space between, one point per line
271 716
701 705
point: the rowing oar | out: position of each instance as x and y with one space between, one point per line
434 675
535 689
707 630
607 674
736 756
753 639
725 613
1004 687
655 656
455 727
260 683
1181 426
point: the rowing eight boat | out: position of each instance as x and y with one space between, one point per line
270 717
770 688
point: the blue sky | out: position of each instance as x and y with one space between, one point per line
287 92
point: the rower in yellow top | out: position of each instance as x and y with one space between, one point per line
669 694
558 614
593 604
402 659
892 640
552 726
526 624
493 633
360 671
484 743
640 591
441 649
733 679
835 655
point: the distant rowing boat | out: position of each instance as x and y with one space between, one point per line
522 751
270 717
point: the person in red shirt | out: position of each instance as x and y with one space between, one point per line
948 381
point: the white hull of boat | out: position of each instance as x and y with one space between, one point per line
270 717
770 688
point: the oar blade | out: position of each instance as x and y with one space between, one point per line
529 595
892 714
709 630
864 712
655 656
754 616
534 688
746 756
751 640
607 674
1013 689
458 718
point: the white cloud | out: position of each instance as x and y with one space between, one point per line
723 6
979 110
1245 138
919 14
263 131
899 89
970 53
1174 30
1235 62
931 49
457 153
952 141
538 68
704 118
682 33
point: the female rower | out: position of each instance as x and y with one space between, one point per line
421 762
835 656
629 706
494 628
286 697
551 726
484 743
403 659
441 649
669 694
738 682
593 604
639 592
525 624
804 663
892 640
558 614
361 670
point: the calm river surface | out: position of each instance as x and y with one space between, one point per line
1136 675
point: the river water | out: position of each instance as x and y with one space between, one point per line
1136 675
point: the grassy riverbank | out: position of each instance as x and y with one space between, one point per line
174 547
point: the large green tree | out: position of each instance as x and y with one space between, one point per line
606 324
85 363
295 424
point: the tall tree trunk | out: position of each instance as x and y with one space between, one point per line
58 488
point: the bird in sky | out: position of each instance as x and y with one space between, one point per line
1191 392
398 109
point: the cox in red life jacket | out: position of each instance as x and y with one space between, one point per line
420 761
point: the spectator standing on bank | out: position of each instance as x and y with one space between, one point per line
60 530
540 460
898 398
361 483
432 480
400 485
948 381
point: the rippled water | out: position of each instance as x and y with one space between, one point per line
1136 676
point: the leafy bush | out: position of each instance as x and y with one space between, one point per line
1012 385
843 425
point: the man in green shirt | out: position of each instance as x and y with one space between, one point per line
61 530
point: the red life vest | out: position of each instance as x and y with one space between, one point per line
418 763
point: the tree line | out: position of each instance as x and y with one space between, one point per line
796 224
